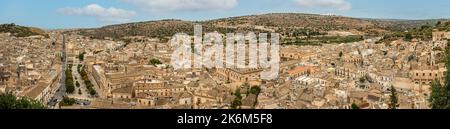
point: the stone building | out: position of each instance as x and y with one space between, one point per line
238 75
440 35
424 75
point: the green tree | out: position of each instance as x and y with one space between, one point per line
81 56
155 62
255 90
92 92
354 106
408 37
70 85
393 99
238 93
67 101
237 102
9 101
79 68
440 97
362 79
448 41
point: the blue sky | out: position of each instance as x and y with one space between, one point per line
52 14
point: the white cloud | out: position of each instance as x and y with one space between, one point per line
341 5
183 5
103 14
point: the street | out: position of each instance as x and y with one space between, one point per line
61 92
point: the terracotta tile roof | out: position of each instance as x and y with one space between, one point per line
299 69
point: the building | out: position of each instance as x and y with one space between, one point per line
301 70
185 99
111 76
424 75
45 88
293 54
440 35
5 78
238 75
309 82
98 74
146 101
349 70
125 93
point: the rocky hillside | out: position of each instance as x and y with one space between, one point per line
284 23
21 31
150 29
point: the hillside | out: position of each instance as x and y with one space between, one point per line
286 20
21 31
150 29
284 23
418 29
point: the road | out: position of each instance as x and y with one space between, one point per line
61 92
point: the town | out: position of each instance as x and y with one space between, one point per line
72 71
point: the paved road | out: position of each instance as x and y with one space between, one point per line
61 92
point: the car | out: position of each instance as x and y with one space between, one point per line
87 103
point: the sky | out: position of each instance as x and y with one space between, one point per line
59 14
